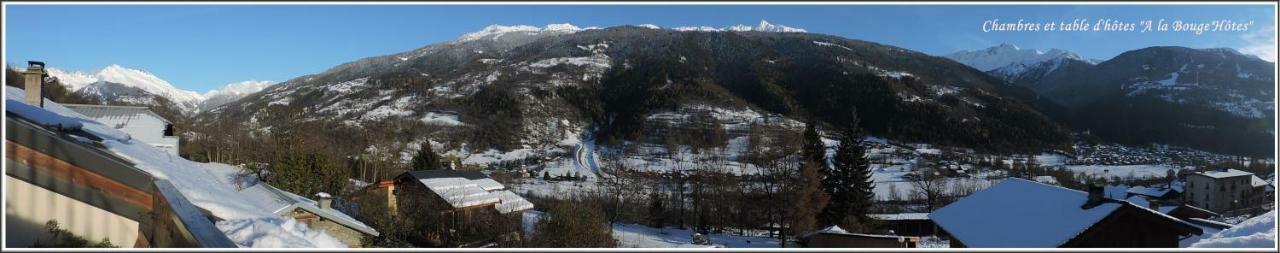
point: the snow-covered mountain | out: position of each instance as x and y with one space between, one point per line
764 26
119 84
496 31
1009 60
133 85
513 92
231 92
1163 95
72 80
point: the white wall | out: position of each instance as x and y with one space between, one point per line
149 129
27 207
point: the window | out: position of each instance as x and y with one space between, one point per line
168 130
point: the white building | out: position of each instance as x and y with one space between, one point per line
139 122
1222 190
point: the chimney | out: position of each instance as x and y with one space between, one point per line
34 80
1153 205
1095 196
326 201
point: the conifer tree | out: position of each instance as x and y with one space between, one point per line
813 150
848 181
426 159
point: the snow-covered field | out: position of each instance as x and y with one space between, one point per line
1146 171
641 236
1122 171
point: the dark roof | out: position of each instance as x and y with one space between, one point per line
425 174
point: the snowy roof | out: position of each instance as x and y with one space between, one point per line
836 230
1144 202
469 188
833 229
510 202
424 174
243 222
40 116
282 202
488 184
1047 179
332 215
1223 174
460 192
1149 191
1257 181
900 216
271 199
116 116
1020 213
1115 191
1256 232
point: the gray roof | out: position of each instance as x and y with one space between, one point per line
115 116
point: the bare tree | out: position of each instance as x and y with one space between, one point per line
929 186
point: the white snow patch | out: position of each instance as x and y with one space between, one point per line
1256 232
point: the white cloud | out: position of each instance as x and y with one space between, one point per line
1261 42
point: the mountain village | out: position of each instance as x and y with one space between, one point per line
122 158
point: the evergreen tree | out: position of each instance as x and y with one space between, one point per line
1032 166
656 210
425 159
848 181
813 150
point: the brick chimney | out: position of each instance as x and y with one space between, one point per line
34 80
1095 196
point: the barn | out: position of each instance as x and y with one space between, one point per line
456 208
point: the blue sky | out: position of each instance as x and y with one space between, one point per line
201 47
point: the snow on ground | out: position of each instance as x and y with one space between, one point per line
441 119
553 189
641 236
348 86
1206 231
214 196
266 233
829 44
1257 232
1048 159
1122 171
890 184
493 155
